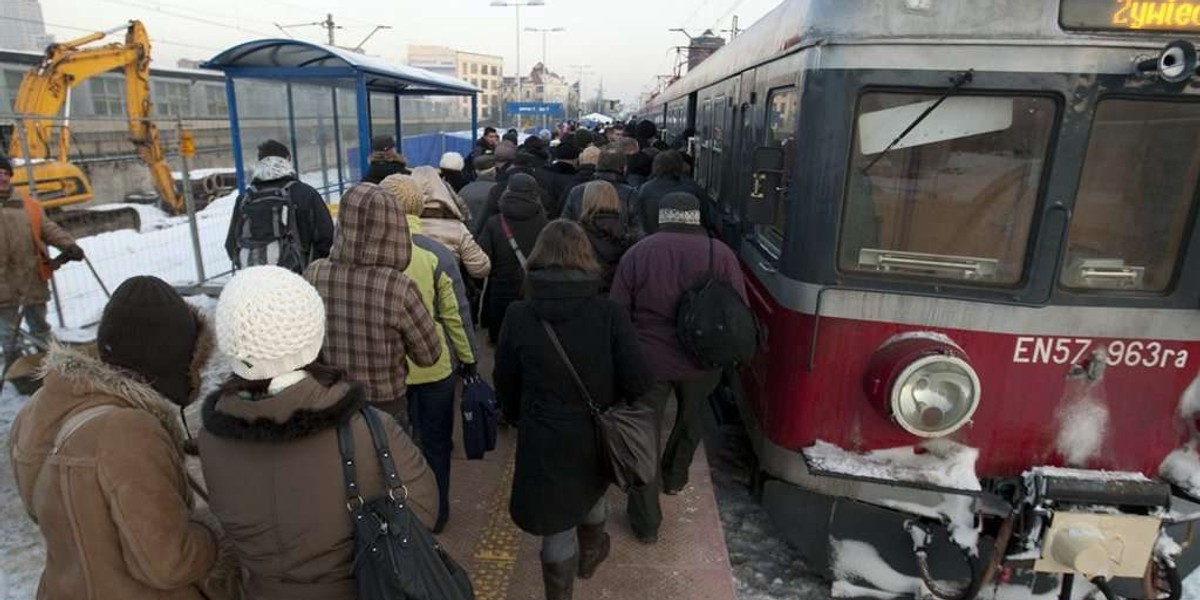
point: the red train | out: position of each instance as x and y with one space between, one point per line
970 228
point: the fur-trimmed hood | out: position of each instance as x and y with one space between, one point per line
304 409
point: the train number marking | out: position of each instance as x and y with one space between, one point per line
1074 351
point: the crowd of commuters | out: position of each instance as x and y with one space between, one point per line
582 236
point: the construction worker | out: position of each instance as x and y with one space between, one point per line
25 265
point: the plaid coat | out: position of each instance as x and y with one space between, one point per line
375 315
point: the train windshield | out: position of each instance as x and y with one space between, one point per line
956 198
1136 193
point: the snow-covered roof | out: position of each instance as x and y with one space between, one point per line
274 58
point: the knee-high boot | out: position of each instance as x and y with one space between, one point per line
559 578
594 546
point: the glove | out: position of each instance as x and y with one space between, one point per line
467 370
73 252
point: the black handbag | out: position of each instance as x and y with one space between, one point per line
626 433
395 557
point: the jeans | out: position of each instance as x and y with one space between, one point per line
691 396
10 321
431 412
561 546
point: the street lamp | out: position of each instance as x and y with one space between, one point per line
545 31
517 6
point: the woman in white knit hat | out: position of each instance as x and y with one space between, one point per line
269 446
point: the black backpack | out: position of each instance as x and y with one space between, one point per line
395 557
713 324
268 233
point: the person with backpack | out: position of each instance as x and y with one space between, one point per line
670 175
559 485
98 457
652 280
508 239
279 220
270 445
25 265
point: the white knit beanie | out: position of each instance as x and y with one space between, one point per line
270 322
451 161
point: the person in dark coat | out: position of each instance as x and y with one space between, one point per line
484 146
601 220
639 167
646 133
611 168
558 487
669 177
521 210
650 279
313 221
523 162
385 160
558 177
475 194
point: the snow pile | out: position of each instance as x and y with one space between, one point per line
932 336
21 548
1182 468
1083 424
860 571
942 463
1189 403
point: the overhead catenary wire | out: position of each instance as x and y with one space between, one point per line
726 14
195 19
92 30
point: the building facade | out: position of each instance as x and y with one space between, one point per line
483 71
21 27
542 85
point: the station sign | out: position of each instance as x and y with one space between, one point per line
528 109
1130 15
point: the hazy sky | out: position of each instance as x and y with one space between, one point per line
625 41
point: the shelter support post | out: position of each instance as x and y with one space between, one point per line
399 130
292 128
363 98
474 117
337 144
235 133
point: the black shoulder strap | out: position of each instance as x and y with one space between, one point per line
562 353
346 448
712 259
379 440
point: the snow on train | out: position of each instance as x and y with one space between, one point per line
970 228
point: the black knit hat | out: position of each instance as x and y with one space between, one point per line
383 143
679 208
646 129
148 329
583 138
522 183
6 165
566 152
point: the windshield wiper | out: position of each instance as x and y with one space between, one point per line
956 83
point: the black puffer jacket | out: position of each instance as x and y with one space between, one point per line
610 239
556 180
557 477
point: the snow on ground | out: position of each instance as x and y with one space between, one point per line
21 553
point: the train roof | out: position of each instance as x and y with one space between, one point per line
796 24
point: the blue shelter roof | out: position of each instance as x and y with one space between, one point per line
295 60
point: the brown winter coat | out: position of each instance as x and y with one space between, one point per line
275 482
20 284
113 502
375 317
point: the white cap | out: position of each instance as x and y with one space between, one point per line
270 322
452 161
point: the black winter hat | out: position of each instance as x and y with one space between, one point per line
646 130
583 138
566 152
679 208
522 183
383 143
6 165
148 329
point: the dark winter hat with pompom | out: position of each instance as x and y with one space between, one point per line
148 329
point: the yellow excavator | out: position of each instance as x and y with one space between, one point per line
43 95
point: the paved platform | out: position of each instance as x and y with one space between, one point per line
689 561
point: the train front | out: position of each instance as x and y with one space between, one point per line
985 321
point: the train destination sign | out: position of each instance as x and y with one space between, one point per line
1131 15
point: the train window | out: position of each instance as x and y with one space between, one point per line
782 111
1136 192
955 198
715 159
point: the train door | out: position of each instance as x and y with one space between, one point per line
745 140
770 149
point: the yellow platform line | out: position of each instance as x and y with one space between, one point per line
496 553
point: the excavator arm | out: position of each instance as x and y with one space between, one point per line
45 91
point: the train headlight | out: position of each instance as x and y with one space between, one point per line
935 396
923 383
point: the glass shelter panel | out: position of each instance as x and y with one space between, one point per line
1136 194
954 199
